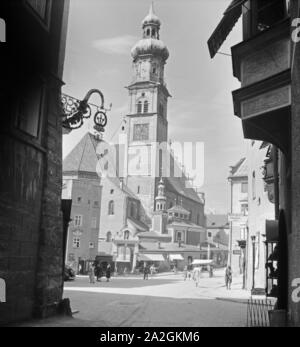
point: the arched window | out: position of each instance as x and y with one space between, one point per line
146 106
126 235
139 107
108 236
148 32
153 32
111 208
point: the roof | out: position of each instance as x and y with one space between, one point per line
185 224
83 157
179 209
240 169
152 235
178 185
217 221
140 226
167 247
116 182
151 17
230 17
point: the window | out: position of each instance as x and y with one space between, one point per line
171 204
78 220
244 209
209 234
263 14
148 32
198 218
96 203
76 242
179 236
111 191
91 245
94 222
176 214
29 109
111 208
108 236
139 107
126 235
138 190
244 187
153 32
253 186
146 106
79 200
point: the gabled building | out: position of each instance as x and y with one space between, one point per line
81 184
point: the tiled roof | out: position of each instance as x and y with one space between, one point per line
139 225
240 169
217 221
179 209
83 157
152 235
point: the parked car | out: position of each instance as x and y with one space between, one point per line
69 274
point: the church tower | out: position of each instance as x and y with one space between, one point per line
146 122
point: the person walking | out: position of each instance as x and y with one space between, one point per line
197 275
108 273
228 277
152 270
146 272
99 272
185 273
92 273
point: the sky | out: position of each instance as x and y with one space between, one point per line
101 34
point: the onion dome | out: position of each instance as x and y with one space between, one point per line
150 46
151 18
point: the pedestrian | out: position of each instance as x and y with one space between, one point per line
190 269
152 270
185 273
146 272
197 275
228 277
108 273
92 273
211 271
99 272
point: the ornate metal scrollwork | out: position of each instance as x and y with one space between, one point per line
76 111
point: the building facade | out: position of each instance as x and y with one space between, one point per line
31 236
238 217
268 105
81 184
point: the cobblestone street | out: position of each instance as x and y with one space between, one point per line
164 300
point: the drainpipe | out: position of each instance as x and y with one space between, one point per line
276 181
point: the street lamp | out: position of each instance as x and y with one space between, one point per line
76 111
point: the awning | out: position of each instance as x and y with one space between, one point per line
151 257
201 262
122 260
176 257
231 16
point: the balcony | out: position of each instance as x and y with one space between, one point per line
262 65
